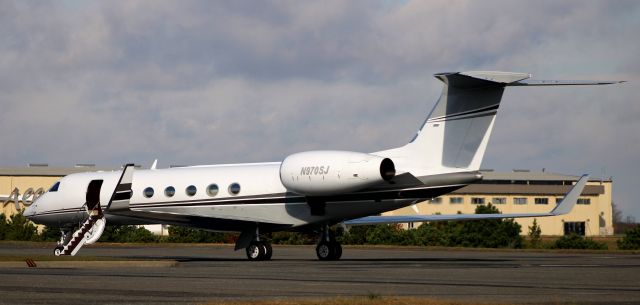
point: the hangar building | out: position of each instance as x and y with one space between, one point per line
511 192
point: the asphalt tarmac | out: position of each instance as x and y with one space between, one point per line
206 273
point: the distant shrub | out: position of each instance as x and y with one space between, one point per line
293 238
631 239
128 234
17 227
575 241
179 234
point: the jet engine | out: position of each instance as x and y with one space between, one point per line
323 173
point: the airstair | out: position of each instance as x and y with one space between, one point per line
90 229
80 236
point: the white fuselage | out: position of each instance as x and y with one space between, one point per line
262 198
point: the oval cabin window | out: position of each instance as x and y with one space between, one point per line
234 188
148 192
212 190
191 190
169 191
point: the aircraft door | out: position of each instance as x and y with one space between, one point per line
93 194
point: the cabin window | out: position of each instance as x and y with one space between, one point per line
148 192
54 187
212 190
191 190
169 191
234 189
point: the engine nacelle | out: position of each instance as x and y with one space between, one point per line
322 173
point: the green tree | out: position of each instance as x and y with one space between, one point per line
20 228
535 234
128 234
50 234
4 227
631 239
487 233
178 234
430 234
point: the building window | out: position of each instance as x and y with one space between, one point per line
499 200
576 227
559 199
436 200
455 200
148 192
520 200
212 190
169 191
584 201
541 201
191 190
234 189
477 200
410 225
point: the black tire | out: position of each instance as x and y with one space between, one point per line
255 251
268 250
325 251
337 251
58 251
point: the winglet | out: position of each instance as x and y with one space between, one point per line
571 197
154 165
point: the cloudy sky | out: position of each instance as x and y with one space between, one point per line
203 82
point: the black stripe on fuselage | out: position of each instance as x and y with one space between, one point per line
409 193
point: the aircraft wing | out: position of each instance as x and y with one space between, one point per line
562 208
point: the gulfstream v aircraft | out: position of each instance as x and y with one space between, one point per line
306 191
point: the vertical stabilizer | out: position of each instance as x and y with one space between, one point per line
455 135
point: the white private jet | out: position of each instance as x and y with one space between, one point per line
306 191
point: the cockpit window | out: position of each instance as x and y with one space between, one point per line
54 187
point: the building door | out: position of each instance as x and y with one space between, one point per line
575 227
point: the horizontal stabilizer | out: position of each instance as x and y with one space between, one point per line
563 82
562 208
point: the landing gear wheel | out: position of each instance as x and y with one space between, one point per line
58 251
268 251
256 251
325 251
337 250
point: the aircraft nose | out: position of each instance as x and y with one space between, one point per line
29 211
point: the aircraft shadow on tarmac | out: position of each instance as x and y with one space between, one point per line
394 259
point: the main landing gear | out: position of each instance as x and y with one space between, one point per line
328 249
259 250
